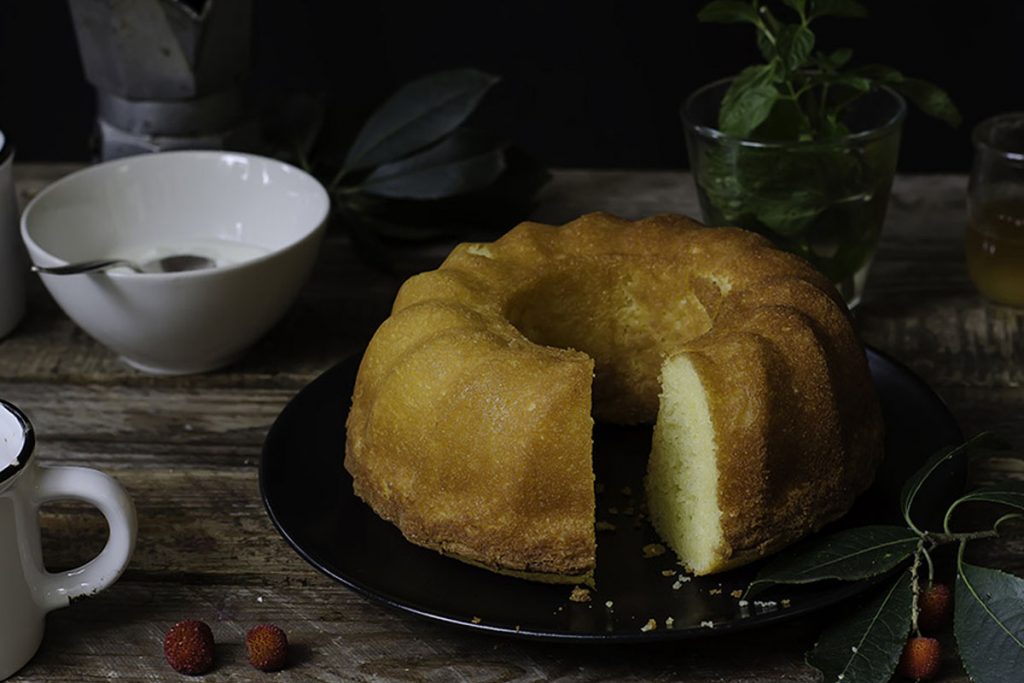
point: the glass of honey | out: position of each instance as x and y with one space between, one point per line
995 205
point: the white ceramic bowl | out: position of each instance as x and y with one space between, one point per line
261 220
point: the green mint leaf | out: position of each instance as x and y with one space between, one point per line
759 74
794 46
865 646
786 122
913 485
417 115
878 72
458 164
839 58
930 99
748 110
988 620
849 555
858 83
794 215
728 12
838 8
748 101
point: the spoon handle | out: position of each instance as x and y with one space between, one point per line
85 267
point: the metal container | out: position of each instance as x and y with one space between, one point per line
168 73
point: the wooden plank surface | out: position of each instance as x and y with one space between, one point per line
187 450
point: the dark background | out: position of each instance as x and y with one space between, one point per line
593 83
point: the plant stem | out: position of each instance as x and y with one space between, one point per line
915 587
764 19
824 101
941 539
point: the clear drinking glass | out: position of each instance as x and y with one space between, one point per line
995 204
825 201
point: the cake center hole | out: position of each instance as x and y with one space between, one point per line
620 315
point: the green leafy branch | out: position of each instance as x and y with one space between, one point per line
415 171
866 646
800 93
824 201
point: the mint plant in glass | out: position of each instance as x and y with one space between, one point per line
802 148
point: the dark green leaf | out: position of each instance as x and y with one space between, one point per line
865 647
858 83
838 8
748 101
728 12
988 621
748 110
931 99
786 122
751 77
759 74
913 485
877 72
419 114
839 58
477 216
849 555
794 46
793 217
454 166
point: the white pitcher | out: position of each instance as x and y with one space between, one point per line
27 590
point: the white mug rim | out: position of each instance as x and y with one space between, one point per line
27 445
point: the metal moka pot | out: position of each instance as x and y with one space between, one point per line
168 73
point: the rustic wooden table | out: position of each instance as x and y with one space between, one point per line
187 450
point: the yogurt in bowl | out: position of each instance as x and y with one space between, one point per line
221 252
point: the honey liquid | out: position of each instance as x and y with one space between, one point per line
995 251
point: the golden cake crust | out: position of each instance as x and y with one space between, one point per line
470 425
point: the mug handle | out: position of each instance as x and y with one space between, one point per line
101 490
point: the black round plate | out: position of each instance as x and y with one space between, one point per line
309 497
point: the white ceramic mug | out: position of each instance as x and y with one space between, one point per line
13 263
27 590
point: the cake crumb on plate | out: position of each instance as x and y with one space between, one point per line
653 550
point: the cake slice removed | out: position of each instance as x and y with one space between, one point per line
682 473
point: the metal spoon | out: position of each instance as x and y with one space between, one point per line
168 264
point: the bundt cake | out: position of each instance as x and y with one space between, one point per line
470 425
